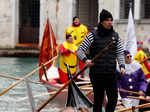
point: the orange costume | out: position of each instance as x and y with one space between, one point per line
67 53
78 33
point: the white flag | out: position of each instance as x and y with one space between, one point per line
130 41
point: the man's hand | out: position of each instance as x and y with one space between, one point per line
72 51
88 63
122 71
141 93
148 97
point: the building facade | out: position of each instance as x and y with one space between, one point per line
23 21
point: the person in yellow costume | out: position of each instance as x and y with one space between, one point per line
78 32
67 53
139 57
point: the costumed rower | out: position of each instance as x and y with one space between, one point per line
133 80
78 32
67 56
102 71
139 57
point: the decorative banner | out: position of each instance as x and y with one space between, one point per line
130 41
48 48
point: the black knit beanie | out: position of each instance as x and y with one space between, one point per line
104 15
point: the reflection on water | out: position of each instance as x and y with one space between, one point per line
19 67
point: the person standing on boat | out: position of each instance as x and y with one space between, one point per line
67 56
133 80
78 32
102 71
139 57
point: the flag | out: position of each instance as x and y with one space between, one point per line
48 48
130 41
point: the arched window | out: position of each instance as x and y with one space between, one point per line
145 9
124 8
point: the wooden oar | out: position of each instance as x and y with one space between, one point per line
85 86
145 60
28 75
74 76
89 92
127 91
83 83
30 96
134 107
139 98
44 94
17 78
40 95
45 74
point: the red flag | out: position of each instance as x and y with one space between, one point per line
48 48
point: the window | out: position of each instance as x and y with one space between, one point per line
29 21
124 8
145 9
29 12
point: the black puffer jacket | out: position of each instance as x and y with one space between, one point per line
107 62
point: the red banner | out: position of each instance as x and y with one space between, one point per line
48 48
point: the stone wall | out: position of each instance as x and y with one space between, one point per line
6 40
59 20
141 30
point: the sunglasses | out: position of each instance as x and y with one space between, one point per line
129 56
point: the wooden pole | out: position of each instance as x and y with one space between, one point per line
40 95
127 91
28 75
66 84
145 60
89 92
139 98
85 86
17 78
45 74
135 107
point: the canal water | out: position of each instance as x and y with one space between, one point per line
12 101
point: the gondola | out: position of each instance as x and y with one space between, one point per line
52 84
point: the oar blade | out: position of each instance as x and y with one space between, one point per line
75 97
31 100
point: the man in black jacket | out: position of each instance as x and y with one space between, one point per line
102 71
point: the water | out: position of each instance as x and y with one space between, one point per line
10 101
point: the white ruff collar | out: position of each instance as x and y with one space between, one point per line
132 67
